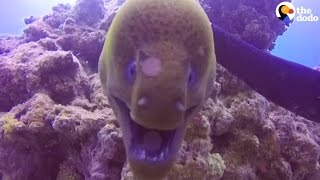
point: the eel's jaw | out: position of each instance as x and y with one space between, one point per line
146 162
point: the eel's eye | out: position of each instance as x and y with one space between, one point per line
191 76
131 71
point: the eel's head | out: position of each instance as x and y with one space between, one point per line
157 69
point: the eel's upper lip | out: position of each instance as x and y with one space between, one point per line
149 146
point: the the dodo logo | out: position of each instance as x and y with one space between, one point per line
285 11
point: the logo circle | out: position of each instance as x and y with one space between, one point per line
286 9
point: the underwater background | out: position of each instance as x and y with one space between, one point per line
55 122
299 43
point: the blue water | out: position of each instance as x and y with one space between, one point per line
13 12
300 43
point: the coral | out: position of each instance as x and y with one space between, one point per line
296 144
219 118
30 20
262 141
36 31
109 145
89 12
27 140
97 96
31 68
196 160
9 123
112 7
208 167
49 44
58 141
68 173
55 122
58 16
79 46
8 43
253 21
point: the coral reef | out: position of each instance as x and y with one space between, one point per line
55 122
32 68
89 12
253 21
7 43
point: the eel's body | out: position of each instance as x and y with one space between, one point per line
157 68
288 84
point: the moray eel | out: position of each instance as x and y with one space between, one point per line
287 84
157 69
158 66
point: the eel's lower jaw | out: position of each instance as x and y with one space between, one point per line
149 151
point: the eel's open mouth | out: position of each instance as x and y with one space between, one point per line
150 147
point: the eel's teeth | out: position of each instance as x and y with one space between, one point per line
166 151
143 154
154 159
148 158
139 153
